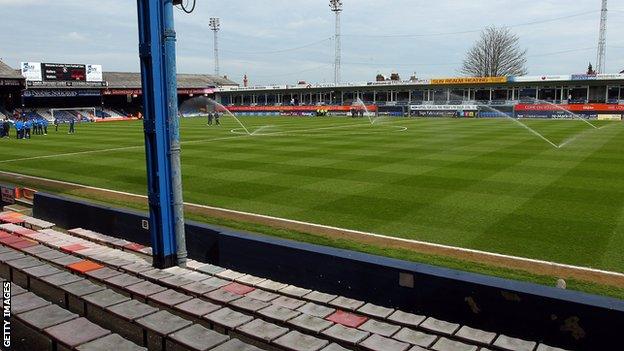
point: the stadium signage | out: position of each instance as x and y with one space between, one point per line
10 82
123 92
139 92
571 107
394 82
61 72
53 84
60 93
584 77
607 117
94 73
195 91
64 72
7 194
444 110
31 71
344 108
469 80
443 107
556 78
611 76
597 76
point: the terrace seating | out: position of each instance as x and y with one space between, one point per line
32 115
107 285
105 113
102 114
45 113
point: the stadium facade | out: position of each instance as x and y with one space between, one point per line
593 95
599 96
40 87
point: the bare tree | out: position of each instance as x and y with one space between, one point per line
497 53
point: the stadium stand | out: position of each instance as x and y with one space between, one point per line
6 72
105 287
101 114
33 114
11 85
45 113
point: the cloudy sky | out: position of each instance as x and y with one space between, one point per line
283 41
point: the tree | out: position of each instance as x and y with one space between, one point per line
497 53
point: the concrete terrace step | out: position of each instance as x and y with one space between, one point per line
269 314
103 308
97 304
38 324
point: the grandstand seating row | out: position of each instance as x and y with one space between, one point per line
102 285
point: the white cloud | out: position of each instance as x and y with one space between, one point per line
75 37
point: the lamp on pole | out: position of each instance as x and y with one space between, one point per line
215 26
336 7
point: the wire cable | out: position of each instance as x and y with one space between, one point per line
293 73
279 50
459 63
468 31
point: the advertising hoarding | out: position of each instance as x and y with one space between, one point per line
609 117
443 107
469 80
444 110
31 71
571 107
94 73
551 78
7 194
591 111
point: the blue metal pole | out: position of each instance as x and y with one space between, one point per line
158 82
174 133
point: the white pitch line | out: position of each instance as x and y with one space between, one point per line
70 154
578 135
373 235
86 152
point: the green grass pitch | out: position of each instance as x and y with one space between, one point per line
486 184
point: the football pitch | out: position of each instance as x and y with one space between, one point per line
553 190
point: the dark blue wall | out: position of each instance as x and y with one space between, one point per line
515 308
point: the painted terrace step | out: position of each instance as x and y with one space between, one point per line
111 282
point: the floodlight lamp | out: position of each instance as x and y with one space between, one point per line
335 5
214 23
